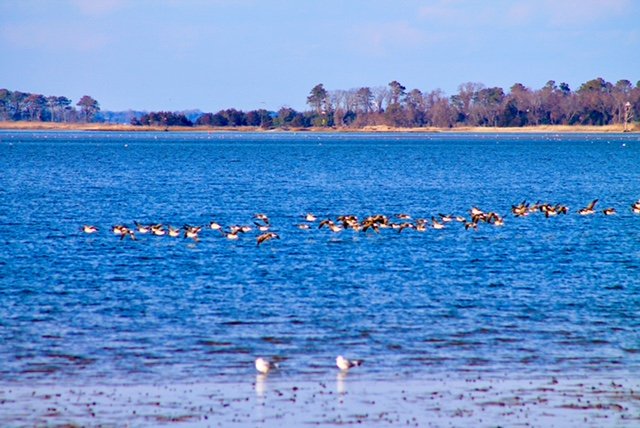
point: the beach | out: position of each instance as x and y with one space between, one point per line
334 400
56 126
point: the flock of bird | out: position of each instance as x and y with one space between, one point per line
372 223
264 366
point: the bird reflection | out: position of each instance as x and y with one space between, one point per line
261 384
341 385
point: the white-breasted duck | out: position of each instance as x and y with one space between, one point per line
589 209
88 228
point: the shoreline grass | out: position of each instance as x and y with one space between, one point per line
55 126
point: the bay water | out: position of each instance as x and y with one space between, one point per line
535 296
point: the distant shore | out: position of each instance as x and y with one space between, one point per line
55 126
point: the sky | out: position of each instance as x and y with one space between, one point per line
250 54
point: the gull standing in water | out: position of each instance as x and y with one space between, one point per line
344 364
264 366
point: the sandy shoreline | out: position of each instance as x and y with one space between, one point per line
336 400
51 126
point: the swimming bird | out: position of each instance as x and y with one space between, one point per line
310 217
403 216
87 228
304 226
609 211
192 232
262 227
344 364
173 232
215 226
267 236
158 229
262 217
141 228
118 229
404 226
123 232
436 224
232 235
264 366
635 207
589 209
521 210
331 225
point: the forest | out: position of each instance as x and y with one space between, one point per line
596 102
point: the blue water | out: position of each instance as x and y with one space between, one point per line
536 296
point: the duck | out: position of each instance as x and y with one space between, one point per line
446 218
345 364
232 235
158 229
88 228
119 229
262 227
331 225
304 226
589 209
635 207
123 232
521 210
264 366
174 232
192 232
402 216
141 228
262 217
495 219
404 226
215 225
310 217
436 224
266 237
609 211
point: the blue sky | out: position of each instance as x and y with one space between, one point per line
250 54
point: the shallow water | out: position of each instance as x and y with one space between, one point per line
557 295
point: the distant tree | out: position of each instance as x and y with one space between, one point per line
234 117
34 106
463 101
88 108
261 118
364 100
595 101
439 112
5 104
318 100
162 118
416 108
396 92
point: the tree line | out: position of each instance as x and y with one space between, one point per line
18 105
595 102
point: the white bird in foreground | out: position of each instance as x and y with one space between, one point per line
263 365
344 364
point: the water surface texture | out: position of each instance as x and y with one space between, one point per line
537 295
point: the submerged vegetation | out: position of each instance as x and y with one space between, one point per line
595 103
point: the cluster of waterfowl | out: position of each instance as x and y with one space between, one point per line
189 231
372 223
264 365
549 210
